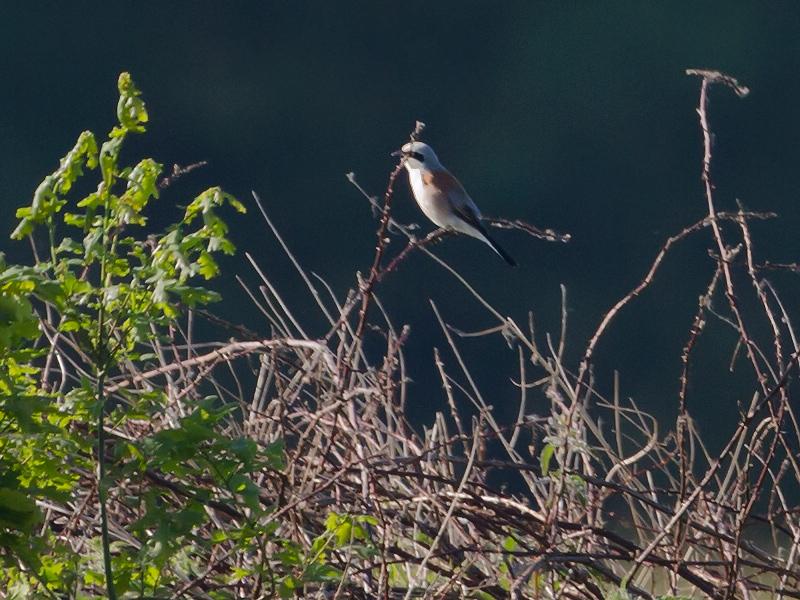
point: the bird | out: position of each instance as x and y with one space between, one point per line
442 198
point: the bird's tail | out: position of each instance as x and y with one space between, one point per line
498 248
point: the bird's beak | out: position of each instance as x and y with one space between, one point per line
398 153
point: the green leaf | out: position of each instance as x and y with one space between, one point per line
219 536
288 586
84 153
544 458
274 453
289 555
109 154
94 578
321 572
91 201
510 544
131 110
75 220
17 510
341 526
244 486
367 519
17 320
69 325
47 199
26 411
142 185
207 266
245 449
344 534
208 200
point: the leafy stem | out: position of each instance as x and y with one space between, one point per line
103 359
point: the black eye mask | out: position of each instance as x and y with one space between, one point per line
417 155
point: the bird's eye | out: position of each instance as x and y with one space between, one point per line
418 156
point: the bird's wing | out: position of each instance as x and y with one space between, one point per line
446 189
450 188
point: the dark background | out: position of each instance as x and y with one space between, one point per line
575 116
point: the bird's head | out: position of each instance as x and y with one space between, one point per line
418 155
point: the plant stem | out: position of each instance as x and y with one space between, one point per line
103 359
101 489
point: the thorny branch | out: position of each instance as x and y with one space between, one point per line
591 509
178 172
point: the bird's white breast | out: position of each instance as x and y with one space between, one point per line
417 185
429 200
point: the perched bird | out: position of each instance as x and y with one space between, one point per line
442 197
